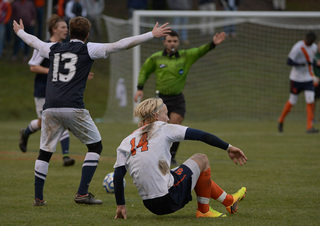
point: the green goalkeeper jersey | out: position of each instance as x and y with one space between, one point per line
171 70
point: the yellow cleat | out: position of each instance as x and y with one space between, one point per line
210 213
237 197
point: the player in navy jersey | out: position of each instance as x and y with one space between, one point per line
58 30
70 64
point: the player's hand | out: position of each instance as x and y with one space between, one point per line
219 37
138 96
91 75
237 156
315 80
161 31
17 27
121 212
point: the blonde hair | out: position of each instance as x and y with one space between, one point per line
147 110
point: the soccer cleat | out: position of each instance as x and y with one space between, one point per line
210 213
87 199
280 127
312 130
237 197
38 202
68 161
23 141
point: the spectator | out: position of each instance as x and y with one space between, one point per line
40 16
159 5
70 10
25 10
207 22
136 5
279 4
181 21
230 5
94 11
5 15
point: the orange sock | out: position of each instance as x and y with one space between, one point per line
203 190
220 195
310 115
286 109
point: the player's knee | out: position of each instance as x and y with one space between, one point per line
202 160
44 155
95 147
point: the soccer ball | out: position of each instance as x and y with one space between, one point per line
108 183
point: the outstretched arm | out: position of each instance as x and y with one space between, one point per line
103 50
31 40
235 154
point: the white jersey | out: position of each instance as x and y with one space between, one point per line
146 155
302 54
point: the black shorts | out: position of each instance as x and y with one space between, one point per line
297 87
179 194
175 103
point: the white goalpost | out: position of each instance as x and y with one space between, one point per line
244 78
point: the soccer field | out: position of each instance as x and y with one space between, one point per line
281 176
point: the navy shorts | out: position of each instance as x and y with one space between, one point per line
175 103
297 87
179 194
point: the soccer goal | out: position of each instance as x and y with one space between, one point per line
244 78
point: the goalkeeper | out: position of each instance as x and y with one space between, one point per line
171 67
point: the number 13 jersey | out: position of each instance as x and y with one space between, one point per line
68 73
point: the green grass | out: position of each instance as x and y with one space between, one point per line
281 176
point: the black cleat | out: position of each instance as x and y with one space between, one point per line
280 127
38 202
23 141
87 199
68 161
312 130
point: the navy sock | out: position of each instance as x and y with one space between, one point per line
65 146
88 168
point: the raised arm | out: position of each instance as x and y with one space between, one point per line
97 50
31 40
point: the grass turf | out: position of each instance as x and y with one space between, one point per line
281 176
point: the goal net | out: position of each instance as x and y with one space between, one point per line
244 78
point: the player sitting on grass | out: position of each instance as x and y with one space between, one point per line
146 155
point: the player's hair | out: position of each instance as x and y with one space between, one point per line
79 28
172 33
52 22
311 38
147 110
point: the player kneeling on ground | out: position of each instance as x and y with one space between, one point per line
146 154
